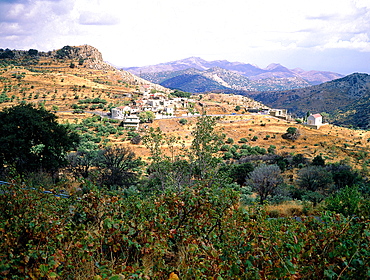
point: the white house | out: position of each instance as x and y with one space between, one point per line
278 112
131 121
154 102
315 119
122 111
145 89
116 113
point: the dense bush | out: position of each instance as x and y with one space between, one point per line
93 101
291 134
229 141
346 201
182 94
225 148
265 180
4 98
31 139
314 178
198 232
243 140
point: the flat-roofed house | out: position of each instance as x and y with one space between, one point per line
131 121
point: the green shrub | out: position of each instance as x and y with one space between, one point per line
225 148
227 156
271 149
346 201
230 141
183 121
243 140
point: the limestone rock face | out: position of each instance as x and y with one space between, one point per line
85 52
88 53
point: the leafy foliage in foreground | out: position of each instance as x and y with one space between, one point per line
201 232
186 216
31 139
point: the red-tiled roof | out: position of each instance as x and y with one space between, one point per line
316 116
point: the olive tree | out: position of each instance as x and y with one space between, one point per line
175 167
316 182
80 163
146 116
292 133
265 180
204 147
119 167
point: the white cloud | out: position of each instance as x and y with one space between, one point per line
143 32
358 42
93 18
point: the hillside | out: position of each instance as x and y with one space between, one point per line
244 76
50 81
192 83
346 100
61 78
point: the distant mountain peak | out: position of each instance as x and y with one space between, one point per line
298 77
277 67
192 62
273 65
192 59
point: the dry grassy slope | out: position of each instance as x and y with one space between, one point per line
334 143
54 82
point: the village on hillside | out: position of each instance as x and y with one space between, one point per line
162 105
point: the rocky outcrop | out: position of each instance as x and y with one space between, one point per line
93 59
85 52
89 53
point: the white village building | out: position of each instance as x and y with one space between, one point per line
120 112
315 119
131 121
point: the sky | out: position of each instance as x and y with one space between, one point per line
326 35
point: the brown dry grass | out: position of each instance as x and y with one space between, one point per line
286 209
60 84
333 143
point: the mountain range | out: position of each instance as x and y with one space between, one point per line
198 75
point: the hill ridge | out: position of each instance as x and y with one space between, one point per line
346 100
